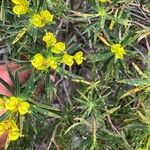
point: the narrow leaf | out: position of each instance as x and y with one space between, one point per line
111 111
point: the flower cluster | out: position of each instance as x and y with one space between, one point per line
57 55
14 104
69 60
118 51
53 56
51 41
21 6
41 63
11 128
52 60
40 20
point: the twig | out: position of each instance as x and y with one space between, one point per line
67 95
147 44
53 138
141 25
138 5
140 53
115 129
61 21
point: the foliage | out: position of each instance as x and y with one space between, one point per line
93 57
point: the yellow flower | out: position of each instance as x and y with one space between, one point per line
46 15
20 9
13 130
37 21
17 2
79 57
39 62
40 20
21 6
11 104
52 62
68 60
118 51
10 127
13 134
50 39
58 48
14 104
23 108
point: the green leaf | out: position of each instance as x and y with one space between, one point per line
100 57
131 37
5 116
139 71
48 85
108 68
36 115
10 74
34 35
45 112
135 82
117 68
67 74
132 91
17 84
111 111
20 35
20 62
90 28
44 106
7 86
29 88
72 126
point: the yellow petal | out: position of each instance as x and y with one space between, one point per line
79 57
37 21
58 48
118 51
11 104
23 108
17 2
15 99
115 47
50 39
38 66
46 15
104 1
39 62
39 59
52 62
68 59
13 125
2 128
13 135
20 9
